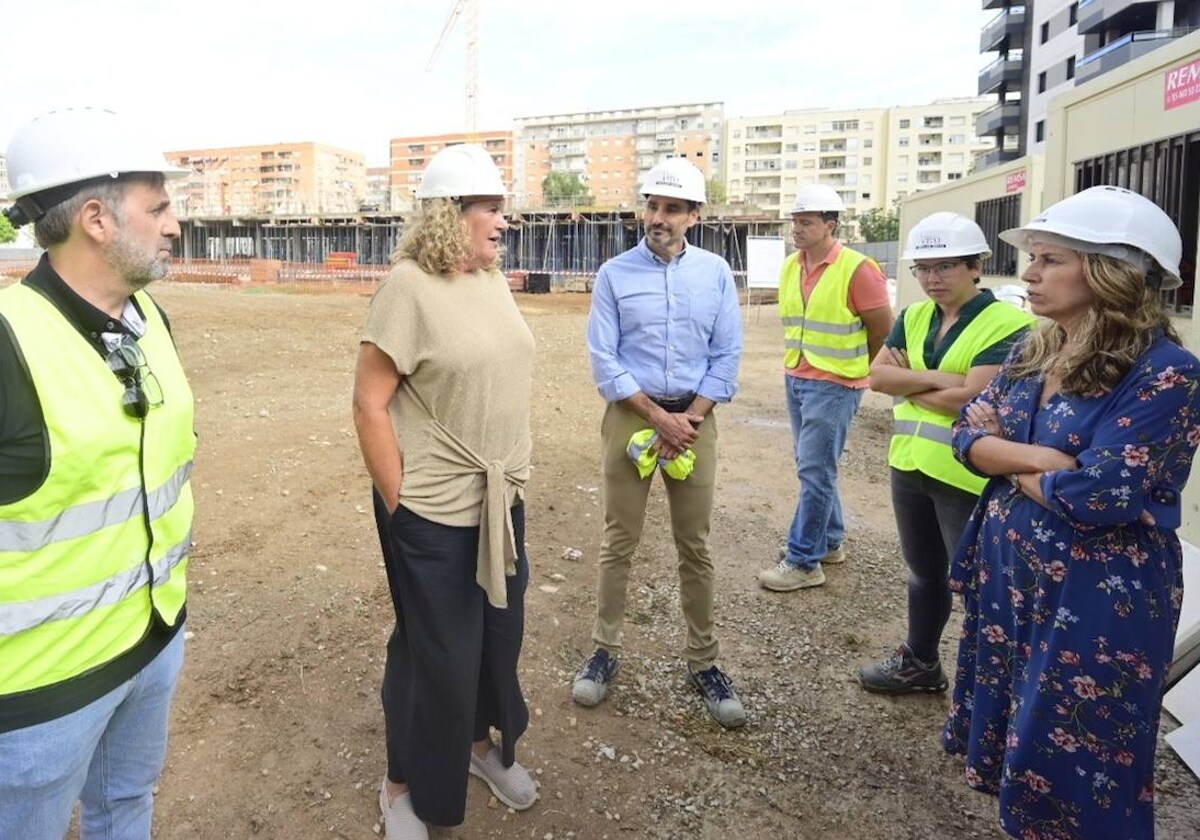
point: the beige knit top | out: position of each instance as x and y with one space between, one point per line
461 413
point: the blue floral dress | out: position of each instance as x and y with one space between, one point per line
1071 610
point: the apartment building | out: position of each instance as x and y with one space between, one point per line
611 150
871 156
276 179
1045 49
1054 53
1006 77
410 154
378 191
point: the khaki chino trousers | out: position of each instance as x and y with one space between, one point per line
690 502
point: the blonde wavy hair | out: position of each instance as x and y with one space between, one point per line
1114 332
436 238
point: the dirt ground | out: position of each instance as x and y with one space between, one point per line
277 730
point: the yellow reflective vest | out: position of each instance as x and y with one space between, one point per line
920 437
102 544
825 332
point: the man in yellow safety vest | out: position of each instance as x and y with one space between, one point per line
836 315
96 446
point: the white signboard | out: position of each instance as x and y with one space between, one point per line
764 259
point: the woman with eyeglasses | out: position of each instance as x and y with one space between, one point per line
1070 567
941 353
442 404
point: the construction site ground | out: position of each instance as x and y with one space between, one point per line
277 730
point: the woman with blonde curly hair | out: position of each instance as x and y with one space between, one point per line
441 405
1070 568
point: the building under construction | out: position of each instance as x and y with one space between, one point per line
560 242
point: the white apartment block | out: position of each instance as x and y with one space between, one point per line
871 156
1055 49
611 150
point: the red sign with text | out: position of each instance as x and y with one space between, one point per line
1182 85
1015 182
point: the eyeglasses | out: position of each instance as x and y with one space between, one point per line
142 391
940 269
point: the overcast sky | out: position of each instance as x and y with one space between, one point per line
352 72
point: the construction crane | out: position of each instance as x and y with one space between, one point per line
471 10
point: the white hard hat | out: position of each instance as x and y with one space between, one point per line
818 198
675 178
461 170
72 146
945 234
1112 221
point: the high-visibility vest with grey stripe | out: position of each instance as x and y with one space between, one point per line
93 553
921 438
825 332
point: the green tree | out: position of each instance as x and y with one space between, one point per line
564 188
878 225
7 232
715 190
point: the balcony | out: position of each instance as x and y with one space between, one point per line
1125 49
995 157
761 149
1001 72
1097 15
762 132
1003 117
1004 27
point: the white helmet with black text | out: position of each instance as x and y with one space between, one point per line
1112 221
945 234
675 178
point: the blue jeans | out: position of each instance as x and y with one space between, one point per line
821 413
107 755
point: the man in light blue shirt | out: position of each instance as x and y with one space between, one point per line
665 338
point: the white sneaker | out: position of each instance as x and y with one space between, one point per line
400 821
512 785
787 578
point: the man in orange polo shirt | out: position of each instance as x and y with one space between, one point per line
836 315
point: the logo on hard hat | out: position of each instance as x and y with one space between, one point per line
667 179
930 241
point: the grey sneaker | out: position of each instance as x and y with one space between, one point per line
787 578
591 684
720 698
511 785
400 821
903 673
835 556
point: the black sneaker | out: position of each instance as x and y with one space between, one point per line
591 684
720 698
902 673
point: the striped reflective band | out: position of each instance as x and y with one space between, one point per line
90 517
26 615
821 350
929 431
823 326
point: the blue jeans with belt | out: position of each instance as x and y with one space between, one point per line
821 413
107 755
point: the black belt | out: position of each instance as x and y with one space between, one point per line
675 405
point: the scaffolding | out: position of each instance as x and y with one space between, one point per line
559 242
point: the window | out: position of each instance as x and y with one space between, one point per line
993 216
866 196
1168 173
1073 13
1045 32
867 161
868 143
903 142
791 147
953 176
959 120
956 139
845 125
1042 82
902 178
905 123
868 126
1039 131
810 129
1070 67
